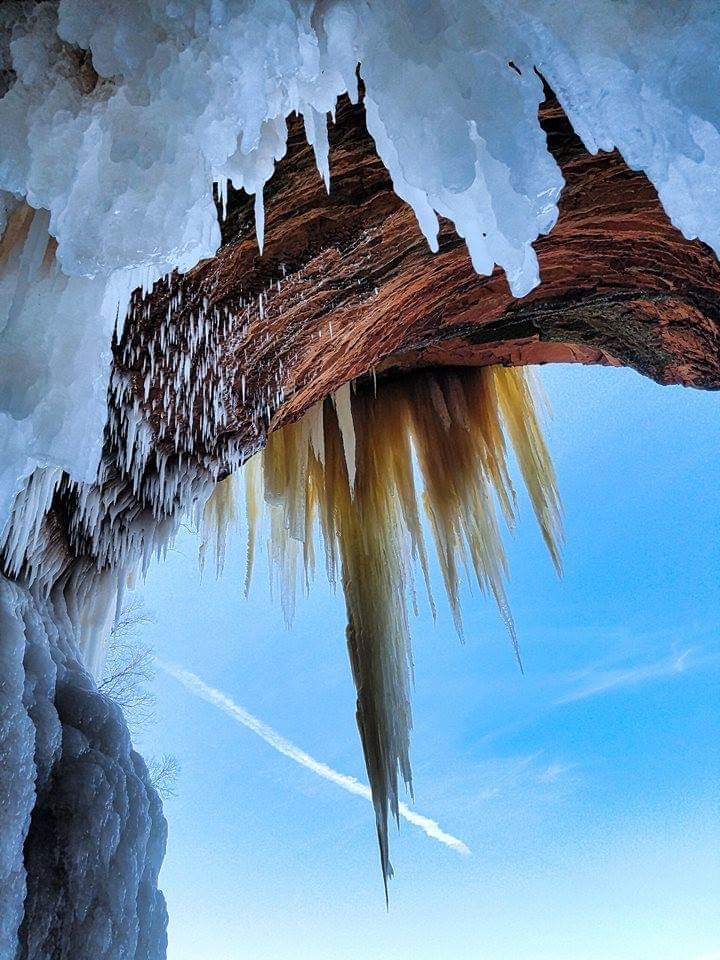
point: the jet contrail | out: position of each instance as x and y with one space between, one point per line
200 689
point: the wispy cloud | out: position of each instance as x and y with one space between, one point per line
555 771
600 681
193 684
519 776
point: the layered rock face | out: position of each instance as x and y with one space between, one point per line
83 834
347 287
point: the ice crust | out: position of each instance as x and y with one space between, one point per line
83 834
117 122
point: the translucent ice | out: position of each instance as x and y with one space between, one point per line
349 464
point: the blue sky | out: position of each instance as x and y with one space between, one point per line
587 790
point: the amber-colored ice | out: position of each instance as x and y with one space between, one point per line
445 432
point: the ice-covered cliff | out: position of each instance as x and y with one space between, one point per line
83 835
152 146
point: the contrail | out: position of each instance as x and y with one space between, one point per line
200 689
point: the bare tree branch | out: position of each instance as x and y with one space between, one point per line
164 772
129 667
129 671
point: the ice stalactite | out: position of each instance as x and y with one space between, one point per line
83 835
349 464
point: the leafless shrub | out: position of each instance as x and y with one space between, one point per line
129 667
164 772
129 671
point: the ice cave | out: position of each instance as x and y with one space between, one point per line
303 255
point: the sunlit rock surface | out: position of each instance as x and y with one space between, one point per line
83 834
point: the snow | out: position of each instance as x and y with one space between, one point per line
72 793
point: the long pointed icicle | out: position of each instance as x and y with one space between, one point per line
349 463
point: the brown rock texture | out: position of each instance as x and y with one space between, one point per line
347 287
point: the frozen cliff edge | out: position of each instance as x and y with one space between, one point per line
83 832
127 119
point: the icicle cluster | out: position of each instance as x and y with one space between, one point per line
349 464
161 459
114 108
181 380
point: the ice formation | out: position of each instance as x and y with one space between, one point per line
348 463
122 119
120 123
55 335
83 834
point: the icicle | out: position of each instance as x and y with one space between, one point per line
347 429
260 218
452 423
316 132
218 515
252 512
